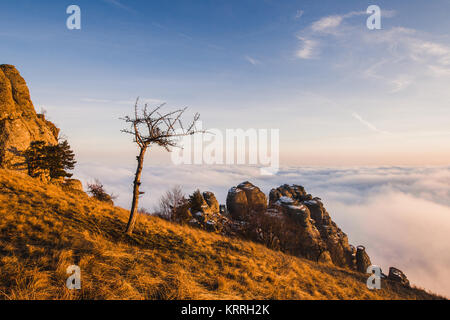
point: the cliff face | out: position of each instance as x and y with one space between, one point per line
19 123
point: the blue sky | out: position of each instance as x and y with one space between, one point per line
341 94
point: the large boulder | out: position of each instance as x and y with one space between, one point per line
237 204
19 123
312 219
397 275
244 199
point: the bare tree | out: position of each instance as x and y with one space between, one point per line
152 127
170 201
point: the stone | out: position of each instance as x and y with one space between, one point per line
19 123
312 219
212 202
362 259
244 199
397 275
205 214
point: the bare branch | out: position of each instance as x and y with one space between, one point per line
160 128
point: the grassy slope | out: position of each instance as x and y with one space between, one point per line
43 230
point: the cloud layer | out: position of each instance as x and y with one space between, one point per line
396 56
401 215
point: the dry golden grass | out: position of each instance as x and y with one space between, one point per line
44 229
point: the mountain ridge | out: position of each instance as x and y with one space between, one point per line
45 228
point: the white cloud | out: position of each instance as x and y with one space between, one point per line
368 124
403 231
120 5
329 24
395 57
326 24
308 48
299 14
253 61
401 82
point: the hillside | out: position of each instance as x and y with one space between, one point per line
44 229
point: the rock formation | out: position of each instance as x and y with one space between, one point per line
206 213
299 219
19 123
245 198
397 275
211 201
325 237
362 259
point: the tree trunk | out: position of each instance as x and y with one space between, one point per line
137 184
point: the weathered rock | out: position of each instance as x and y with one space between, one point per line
362 259
397 275
245 198
311 216
206 214
294 192
19 123
212 202
237 203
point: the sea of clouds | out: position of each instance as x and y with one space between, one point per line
400 214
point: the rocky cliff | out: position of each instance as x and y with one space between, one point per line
19 122
295 221
292 221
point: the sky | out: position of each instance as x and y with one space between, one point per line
340 94
363 115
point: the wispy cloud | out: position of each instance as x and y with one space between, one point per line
368 124
327 23
120 5
398 56
253 61
299 14
401 82
308 48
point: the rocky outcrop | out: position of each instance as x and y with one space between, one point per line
398 276
303 225
19 123
324 238
206 213
362 259
211 201
244 199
